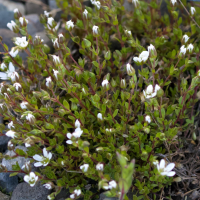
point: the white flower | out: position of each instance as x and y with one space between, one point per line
155 162
77 124
85 13
55 43
17 86
11 25
99 116
70 24
10 144
56 59
84 167
30 118
14 76
23 105
27 145
48 81
56 73
135 2
151 47
95 29
112 184
148 119
130 70
43 160
97 4
26 166
128 32
72 196
10 125
48 186
142 57
3 66
185 38
16 10
14 52
50 198
11 134
105 83
31 179
77 192
173 2
99 167
183 50
21 20
192 10
166 171
190 47
77 133
149 93
7 75
198 74
46 13
50 21
21 42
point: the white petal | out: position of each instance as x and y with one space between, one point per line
162 164
69 142
38 157
45 153
172 173
169 167
26 178
3 76
38 164
11 67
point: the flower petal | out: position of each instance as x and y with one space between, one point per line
69 135
38 164
45 153
38 157
162 164
172 173
3 75
169 167
11 67
26 178
69 142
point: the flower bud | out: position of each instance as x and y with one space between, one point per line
2 168
123 83
146 130
69 25
18 87
14 77
152 51
50 22
13 27
105 84
130 70
173 2
61 38
31 118
95 30
185 39
85 13
17 14
55 43
26 167
136 3
190 48
99 117
192 10
23 21
194 136
148 118
11 146
38 40
3 108
49 82
49 185
84 91
57 74
29 142
3 66
56 59
182 51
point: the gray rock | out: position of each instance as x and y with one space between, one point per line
8 184
23 191
36 7
21 161
12 5
3 196
128 5
52 4
63 194
34 24
4 143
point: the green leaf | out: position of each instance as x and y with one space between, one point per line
86 43
20 152
115 112
13 174
49 126
16 167
66 104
